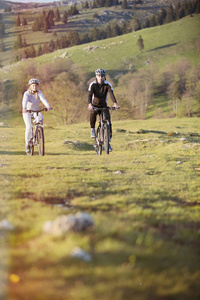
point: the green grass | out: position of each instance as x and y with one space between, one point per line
145 239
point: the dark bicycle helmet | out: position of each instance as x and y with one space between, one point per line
33 81
100 72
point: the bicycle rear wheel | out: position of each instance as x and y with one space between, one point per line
106 138
98 145
40 140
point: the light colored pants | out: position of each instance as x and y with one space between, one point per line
29 125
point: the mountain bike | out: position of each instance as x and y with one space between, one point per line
103 131
37 138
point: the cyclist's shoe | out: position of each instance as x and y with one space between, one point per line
93 134
110 148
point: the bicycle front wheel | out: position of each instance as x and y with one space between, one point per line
40 140
98 145
32 143
106 138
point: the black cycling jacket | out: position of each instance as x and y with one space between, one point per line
98 93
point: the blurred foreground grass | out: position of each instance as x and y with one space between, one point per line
143 197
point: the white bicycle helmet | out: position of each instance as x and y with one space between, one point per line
33 81
100 72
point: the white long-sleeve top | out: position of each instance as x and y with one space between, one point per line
31 101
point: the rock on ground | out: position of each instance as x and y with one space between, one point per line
63 224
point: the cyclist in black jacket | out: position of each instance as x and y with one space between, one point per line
97 97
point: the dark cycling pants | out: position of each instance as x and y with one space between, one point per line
93 117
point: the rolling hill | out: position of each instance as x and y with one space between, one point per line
82 22
162 45
165 46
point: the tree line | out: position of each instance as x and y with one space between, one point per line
178 84
73 38
30 51
100 3
65 84
47 20
173 13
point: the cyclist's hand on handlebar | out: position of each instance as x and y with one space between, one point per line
116 106
24 110
90 106
49 108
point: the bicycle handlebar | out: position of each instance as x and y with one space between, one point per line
43 109
104 108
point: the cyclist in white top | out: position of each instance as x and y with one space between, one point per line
31 100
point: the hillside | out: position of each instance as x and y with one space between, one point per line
163 45
4 4
147 5
169 49
82 22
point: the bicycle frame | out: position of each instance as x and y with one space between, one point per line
103 131
37 134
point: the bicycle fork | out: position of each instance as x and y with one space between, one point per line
35 134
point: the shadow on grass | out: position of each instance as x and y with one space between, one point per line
80 146
23 153
12 153
142 131
191 137
66 202
56 154
165 46
101 192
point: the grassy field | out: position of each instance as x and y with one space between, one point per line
143 198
